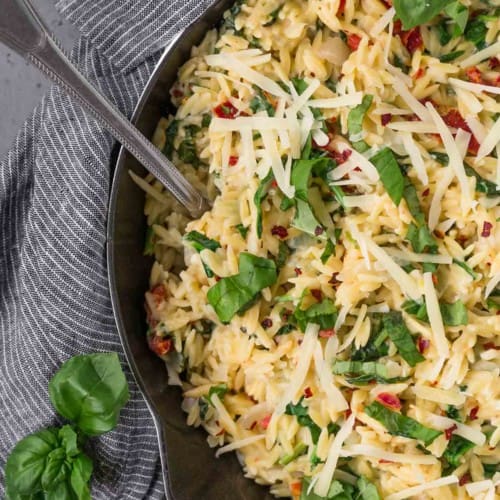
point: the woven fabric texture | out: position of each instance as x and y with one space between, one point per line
54 188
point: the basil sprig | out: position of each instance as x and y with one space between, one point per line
235 294
88 390
401 425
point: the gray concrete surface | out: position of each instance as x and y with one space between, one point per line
21 85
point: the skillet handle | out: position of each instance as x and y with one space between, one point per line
22 30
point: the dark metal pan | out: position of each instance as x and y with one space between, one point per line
190 469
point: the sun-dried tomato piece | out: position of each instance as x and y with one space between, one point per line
353 41
233 160
487 227
160 345
308 392
226 110
474 75
386 118
473 413
449 432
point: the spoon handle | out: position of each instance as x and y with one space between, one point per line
22 30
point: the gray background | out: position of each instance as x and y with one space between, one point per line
21 85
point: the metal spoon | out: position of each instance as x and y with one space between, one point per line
23 31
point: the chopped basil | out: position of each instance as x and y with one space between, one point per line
323 314
187 149
285 329
443 32
390 174
476 31
401 425
231 15
454 413
416 12
355 123
303 418
367 490
362 373
337 491
299 450
170 133
261 103
206 119
483 185
234 294
299 84
283 254
220 390
243 230
401 337
375 348
259 197
459 14
441 158
454 314
200 242
466 268
451 56
330 245
457 447
273 16
490 469
149 242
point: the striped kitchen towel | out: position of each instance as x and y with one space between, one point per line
54 187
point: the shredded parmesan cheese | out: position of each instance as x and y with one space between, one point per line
235 445
382 454
416 490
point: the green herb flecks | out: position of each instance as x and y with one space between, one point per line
234 294
454 314
261 103
323 314
457 447
298 450
187 148
170 133
273 16
401 425
259 197
301 412
200 242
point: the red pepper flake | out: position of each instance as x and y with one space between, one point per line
159 345
316 293
296 489
491 345
233 160
279 231
356 169
226 110
326 334
454 119
252 427
390 400
473 413
341 157
267 323
448 432
217 278
474 75
341 8
353 41
347 413
423 344
386 118
384 461
487 227
264 423
274 183
494 63
318 230
434 279
419 74
426 192
308 392
298 271
177 93
464 480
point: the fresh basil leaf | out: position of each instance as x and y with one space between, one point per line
283 254
80 476
459 13
56 469
443 31
285 329
328 251
416 12
355 123
69 440
457 447
364 372
376 347
476 31
27 461
233 294
454 314
299 450
62 491
200 242
187 148
261 103
441 158
390 174
421 239
367 490
299 84
451 56
304 220
171 133
490 469
301 412
260 196
466 268
323 314
90 390
206 119
483 185
413 203
401 425
273 16
398 332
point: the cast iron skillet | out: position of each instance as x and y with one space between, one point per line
190 469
